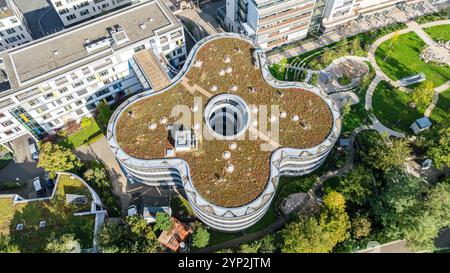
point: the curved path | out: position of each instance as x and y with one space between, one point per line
380 75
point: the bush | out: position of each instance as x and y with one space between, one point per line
201 235
86 122
12 185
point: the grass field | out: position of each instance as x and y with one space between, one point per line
403 59
439 33
57 214
390 106
442 110
85 136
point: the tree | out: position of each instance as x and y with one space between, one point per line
163 222
437 143
356 187
327 57
361 227
104 114
386 156
252 247
423 94
408 209
133 235
309 234
97 175
6 246
200 238
343 47
356 46
55 158
64 244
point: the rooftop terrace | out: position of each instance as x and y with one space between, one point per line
225 66
56 212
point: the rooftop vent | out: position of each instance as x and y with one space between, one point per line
98 44
118 34
56 52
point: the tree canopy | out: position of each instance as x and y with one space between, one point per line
55 158
318 234
423 94
200 238
387 154
409 209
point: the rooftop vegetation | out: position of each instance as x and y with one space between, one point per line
58 215
207 165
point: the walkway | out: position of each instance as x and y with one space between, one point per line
380 75
101 151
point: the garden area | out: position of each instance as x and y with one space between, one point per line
74 134
441 111
58 216
391 107
321 57
439 33
399 57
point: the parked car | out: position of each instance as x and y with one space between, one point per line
49 181
38 185
33 151
132 210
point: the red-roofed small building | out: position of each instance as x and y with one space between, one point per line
175 236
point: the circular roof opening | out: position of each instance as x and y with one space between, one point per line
227 116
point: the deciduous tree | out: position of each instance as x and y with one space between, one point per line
55 158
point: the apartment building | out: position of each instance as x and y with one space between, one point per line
62 77
270 23
75 11
13 26
339 12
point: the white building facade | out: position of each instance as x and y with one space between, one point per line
76 69
75 11
270 23
339 12
13 26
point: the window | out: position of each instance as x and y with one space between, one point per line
139 48
91 78
84 12
103 73
7 123
77 84
63 90
71 17
82 92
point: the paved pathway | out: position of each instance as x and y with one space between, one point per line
437 91
100 151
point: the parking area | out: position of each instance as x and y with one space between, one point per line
41 17
142 195
23 169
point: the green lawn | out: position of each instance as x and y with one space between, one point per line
390 106
442 110
439 33
404 60
85 136
57 214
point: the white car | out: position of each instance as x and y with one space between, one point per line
132 210
427 164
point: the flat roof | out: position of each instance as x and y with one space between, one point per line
65 51
206 163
